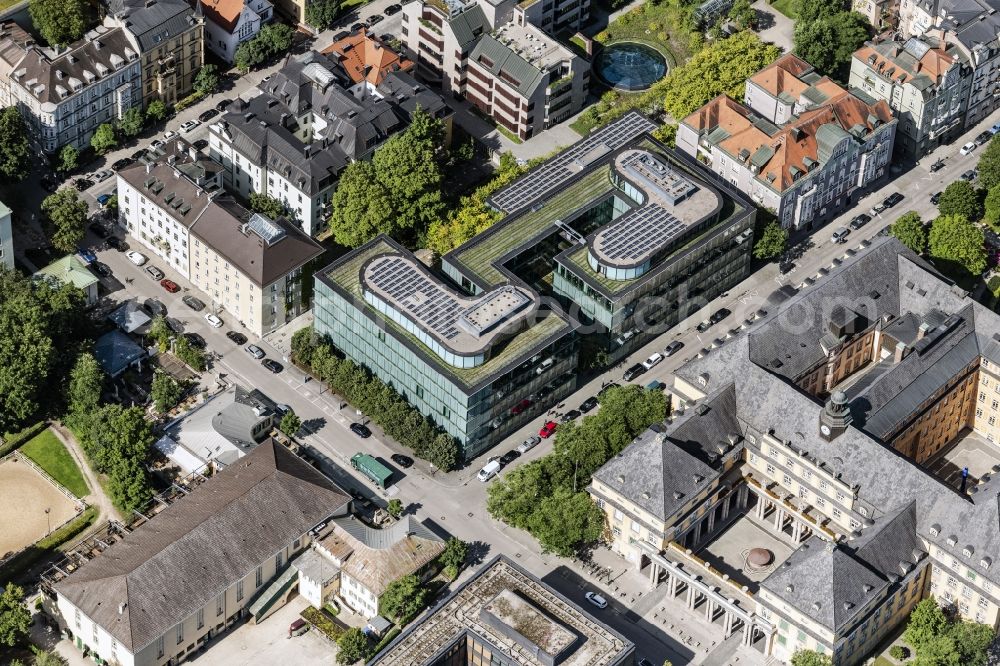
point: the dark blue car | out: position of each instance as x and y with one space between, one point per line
104 199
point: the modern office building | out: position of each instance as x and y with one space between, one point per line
6 237
616 232
504 615
170 38
66 95
172 202
924 81
501 57
800 145
229 23
200 565
292 141
825 432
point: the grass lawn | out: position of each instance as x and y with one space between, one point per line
50 454
786 7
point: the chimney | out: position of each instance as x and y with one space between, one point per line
916 67
121 608
307 150
149 167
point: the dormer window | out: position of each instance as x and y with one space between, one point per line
985 562
967 551
952 540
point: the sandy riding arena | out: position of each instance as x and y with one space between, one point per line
24 496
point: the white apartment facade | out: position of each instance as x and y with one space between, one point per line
66 95
229 23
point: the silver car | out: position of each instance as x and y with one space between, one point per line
255 351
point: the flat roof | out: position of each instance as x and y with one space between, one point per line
673 203
511 610
465 325
533 45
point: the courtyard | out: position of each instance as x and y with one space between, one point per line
730 552
970 450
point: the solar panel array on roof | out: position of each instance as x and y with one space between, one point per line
413 291
270 232
571 161
637 233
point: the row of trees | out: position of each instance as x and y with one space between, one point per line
270 40
161 333
940 639
116 439
379 401
546 497
397 192
954 243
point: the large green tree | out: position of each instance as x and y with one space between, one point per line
290 423
989 164
272 39
68 213
772 242
454 553
207 80
827 43
266 205
960 198
48 658
722 67
743 15
166 392
104 139
991 207
60 22
131 122
118 445
352 646
958 244
83 398
403 598
69 157
15 153
157 110
565 521
321 14
810 658
41 327
926 621
129 486
15 618
398 192
910 231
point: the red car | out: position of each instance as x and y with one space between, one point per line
170 286
548 429
521 406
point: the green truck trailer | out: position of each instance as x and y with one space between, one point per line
372 468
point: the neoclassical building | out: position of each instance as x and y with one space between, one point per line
808 491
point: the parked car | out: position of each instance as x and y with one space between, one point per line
984 137
138 155
121 164
298 627
967 148
403 461
937 166
719 315
103 175
841 234
893 199
655 385
221 106
936 197
102 270
238 338
343 34
529 444
673 348
357 26
200 144
970 175
136 258
521 406
170 286
81 184
213 321
571 415
596 599
372 20
272 365
85 254
167 136
99 230
633 372
208 115
393 9
154 272
116 243
156 145
195 340
189 125
588 404
860 220
995 128
877 208
489 470
256 352
510 457
361 430
704 326
654 358
548 429
103 200
193 303
155 308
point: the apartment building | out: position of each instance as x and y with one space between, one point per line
505 615
172 201
292 141
501 57
799 145
66 95
879 13
841 472
973 28
6 237
200 565
229 23
169 36
924 81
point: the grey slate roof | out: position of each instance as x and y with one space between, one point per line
891 546
115 351
170 566
154 22
130 317
469 25
505 60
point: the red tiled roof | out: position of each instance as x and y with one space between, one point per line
366 58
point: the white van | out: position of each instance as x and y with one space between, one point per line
492 469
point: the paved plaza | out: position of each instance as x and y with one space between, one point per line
971 450
729 551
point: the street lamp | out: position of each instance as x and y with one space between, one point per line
48 522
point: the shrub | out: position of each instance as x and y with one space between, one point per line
15 440
897 652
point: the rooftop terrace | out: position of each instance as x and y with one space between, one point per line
533 45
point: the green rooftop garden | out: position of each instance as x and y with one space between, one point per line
479 257
347 275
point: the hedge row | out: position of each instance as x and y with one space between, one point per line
46 546
14 441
